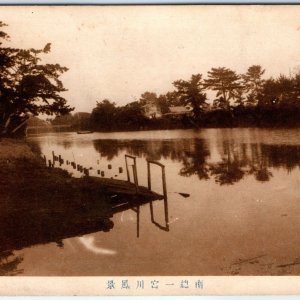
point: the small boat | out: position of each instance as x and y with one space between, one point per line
84 132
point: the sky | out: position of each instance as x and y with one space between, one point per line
119 52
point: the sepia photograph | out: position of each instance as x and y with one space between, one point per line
148 140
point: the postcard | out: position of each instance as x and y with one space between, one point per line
150 150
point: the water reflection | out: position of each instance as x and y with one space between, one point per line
232 163
194 159
9 264
164 226
121 204
24 230
225 172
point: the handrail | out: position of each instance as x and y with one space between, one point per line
155 163
134 170
130 156
149 162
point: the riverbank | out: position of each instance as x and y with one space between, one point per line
42 205
274 116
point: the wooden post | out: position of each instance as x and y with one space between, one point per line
164 181
149 175
164 185
165 197
135 176
138 221
127 170
49 163
151 212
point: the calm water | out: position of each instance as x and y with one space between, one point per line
242 216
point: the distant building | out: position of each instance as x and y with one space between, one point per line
179 110
152 111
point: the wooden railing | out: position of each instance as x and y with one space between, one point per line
134 170
166 226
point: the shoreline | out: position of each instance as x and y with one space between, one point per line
169 129
40 205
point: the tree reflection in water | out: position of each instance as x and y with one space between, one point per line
9 264
194 160
259 165
236 160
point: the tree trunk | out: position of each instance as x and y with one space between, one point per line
6 124
20 125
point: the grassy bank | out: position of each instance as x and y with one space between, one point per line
41 205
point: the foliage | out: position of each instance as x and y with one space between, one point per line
192 92
226 83
174 99
253 83
130 116
148 97
3 35
103 115
28 87
242 100
162 102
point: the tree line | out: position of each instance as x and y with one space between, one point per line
240 100
29 87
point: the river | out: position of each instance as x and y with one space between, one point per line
240 217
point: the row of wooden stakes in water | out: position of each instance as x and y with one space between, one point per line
75 166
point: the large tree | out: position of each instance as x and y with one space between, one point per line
147 98
253 83
282 91
103 116
28 87
162 102
192 92
296 90
226 83
131 116
173 99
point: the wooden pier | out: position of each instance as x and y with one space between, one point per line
129 187
123 187
126 194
